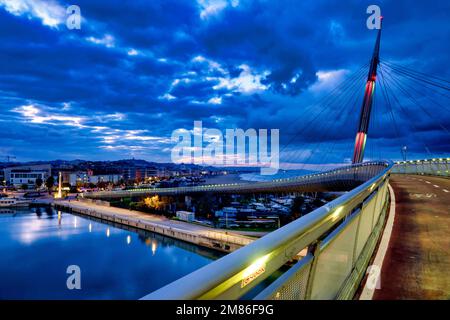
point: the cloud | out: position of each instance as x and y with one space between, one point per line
210 8
246 82
35 115
49 12
155 66
108 41
327 80
215 100
133 52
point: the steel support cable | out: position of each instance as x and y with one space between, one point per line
352 93
377 115
379 121
322 111
353 110
388 103
418 82
419 75
416 72
376 125
424 93
342 98
389 108
347 92
326 99
405 112
414 101
370 142
313 121
408 74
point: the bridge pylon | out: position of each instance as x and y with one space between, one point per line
364 118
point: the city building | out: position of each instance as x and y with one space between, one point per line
109 178
27 175
79 177
186 215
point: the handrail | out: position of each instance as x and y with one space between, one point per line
333 177
434 167
235 274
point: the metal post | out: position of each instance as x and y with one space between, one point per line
315 249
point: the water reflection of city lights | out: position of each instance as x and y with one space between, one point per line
90 227
154 246
107 232
128 239
59 218
75 222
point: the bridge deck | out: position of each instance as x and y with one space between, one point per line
417 263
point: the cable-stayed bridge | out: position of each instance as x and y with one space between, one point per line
326 253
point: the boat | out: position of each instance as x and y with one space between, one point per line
14 202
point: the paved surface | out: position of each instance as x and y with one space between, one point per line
417 262
161 221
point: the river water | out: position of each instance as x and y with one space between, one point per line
38 245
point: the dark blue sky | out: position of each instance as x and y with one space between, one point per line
139 69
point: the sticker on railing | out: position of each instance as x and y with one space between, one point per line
254 271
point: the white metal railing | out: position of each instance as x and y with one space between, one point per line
339 237
434 167
338 179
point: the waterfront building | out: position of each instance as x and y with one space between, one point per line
20 175
186 215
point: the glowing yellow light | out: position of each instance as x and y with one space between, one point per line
153 247
258 266
336 213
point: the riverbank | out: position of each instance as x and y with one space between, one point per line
196 234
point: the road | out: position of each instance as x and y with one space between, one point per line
417 262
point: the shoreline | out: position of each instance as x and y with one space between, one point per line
195 234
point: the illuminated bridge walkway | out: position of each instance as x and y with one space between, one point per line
417 261
340 179
325 254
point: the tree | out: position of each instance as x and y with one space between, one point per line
38 183
49 184
154 202
24 186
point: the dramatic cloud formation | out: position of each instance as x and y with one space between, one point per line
135 72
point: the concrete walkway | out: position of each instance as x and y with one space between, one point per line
417 262
178 229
